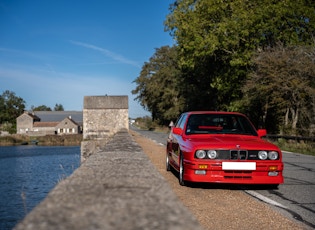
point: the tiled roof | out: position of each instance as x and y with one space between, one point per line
73 121
58 116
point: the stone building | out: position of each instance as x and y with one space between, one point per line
40 123
67 126
25 122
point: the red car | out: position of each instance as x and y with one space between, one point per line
222 147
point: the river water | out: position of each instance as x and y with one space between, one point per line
27 174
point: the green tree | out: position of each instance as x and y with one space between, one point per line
41 108
236 29
11 106
217 39
283 85
58 107
159 85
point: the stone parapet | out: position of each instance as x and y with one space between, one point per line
105 102
101 123
116 188
103 116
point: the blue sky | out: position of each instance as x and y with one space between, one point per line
58 51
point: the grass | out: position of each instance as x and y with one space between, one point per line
303 147
161 129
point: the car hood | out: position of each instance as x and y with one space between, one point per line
231 142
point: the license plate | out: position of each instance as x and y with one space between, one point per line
239 165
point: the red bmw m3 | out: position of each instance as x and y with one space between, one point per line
222 147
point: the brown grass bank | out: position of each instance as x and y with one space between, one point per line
48 140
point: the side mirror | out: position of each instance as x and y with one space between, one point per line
177 131
262 132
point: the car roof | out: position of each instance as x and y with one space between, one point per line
213 112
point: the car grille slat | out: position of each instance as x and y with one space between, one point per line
236 154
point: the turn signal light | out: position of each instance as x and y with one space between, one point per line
273 168
203 166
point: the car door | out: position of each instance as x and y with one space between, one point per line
175 152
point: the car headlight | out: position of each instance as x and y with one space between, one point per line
262 155
212 154
273 155
200 154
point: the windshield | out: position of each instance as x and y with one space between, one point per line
219 124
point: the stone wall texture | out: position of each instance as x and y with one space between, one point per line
103 117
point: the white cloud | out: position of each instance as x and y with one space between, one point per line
108 53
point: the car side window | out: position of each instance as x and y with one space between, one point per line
181 121
178 121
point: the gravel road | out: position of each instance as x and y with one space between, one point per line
218 206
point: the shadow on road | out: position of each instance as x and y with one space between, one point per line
225 186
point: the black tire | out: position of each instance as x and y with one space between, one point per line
272 186
181 171
168 166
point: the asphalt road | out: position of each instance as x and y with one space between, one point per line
295 198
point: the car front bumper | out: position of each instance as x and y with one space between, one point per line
236 172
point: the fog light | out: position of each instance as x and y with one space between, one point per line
203 166
273 173
273 168
200 172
